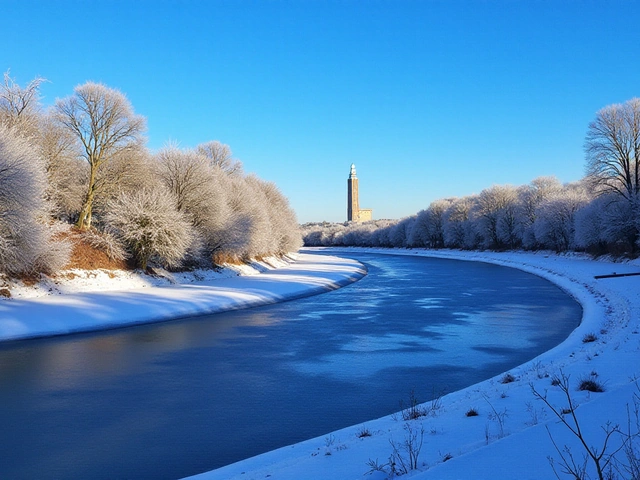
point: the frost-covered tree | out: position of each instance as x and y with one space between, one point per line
67 173
494 211
236 217
399 233
126 171
200 192
219 155
606 225
555 218
284 225
150 226
19 106
105 125
428 229
457 228
530 196
26 243
612 149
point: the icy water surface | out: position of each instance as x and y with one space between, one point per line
179 398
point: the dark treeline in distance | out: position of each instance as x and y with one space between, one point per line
599 214
81 169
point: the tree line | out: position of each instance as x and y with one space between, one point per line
83 163
599 214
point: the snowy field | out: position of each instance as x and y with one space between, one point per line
511 435
76 301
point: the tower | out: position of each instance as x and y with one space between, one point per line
353 208
354 212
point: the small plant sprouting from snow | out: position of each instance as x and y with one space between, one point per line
472 412
364 432
415 410
590 384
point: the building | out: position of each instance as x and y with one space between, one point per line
354 212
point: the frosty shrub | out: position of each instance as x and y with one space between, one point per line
235 217
105 242
150 226
284 220
200 190
282 235
26 244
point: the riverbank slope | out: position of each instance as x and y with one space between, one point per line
511 435
104 301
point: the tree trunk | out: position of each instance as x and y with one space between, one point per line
84 220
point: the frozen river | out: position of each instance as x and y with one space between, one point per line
179 398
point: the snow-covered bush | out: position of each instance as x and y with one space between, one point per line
150 226
200 192
284 225
26 243
235 217
105 242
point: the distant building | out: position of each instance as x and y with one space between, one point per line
354 212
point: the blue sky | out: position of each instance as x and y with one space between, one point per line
429 99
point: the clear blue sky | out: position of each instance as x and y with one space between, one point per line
428 98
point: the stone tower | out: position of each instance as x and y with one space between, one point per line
354 213
352 196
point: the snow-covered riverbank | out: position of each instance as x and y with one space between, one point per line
508 438
78 302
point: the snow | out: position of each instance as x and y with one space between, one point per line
509 438
77 301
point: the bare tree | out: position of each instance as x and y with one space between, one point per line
105 125
613 149
19 107
220 155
